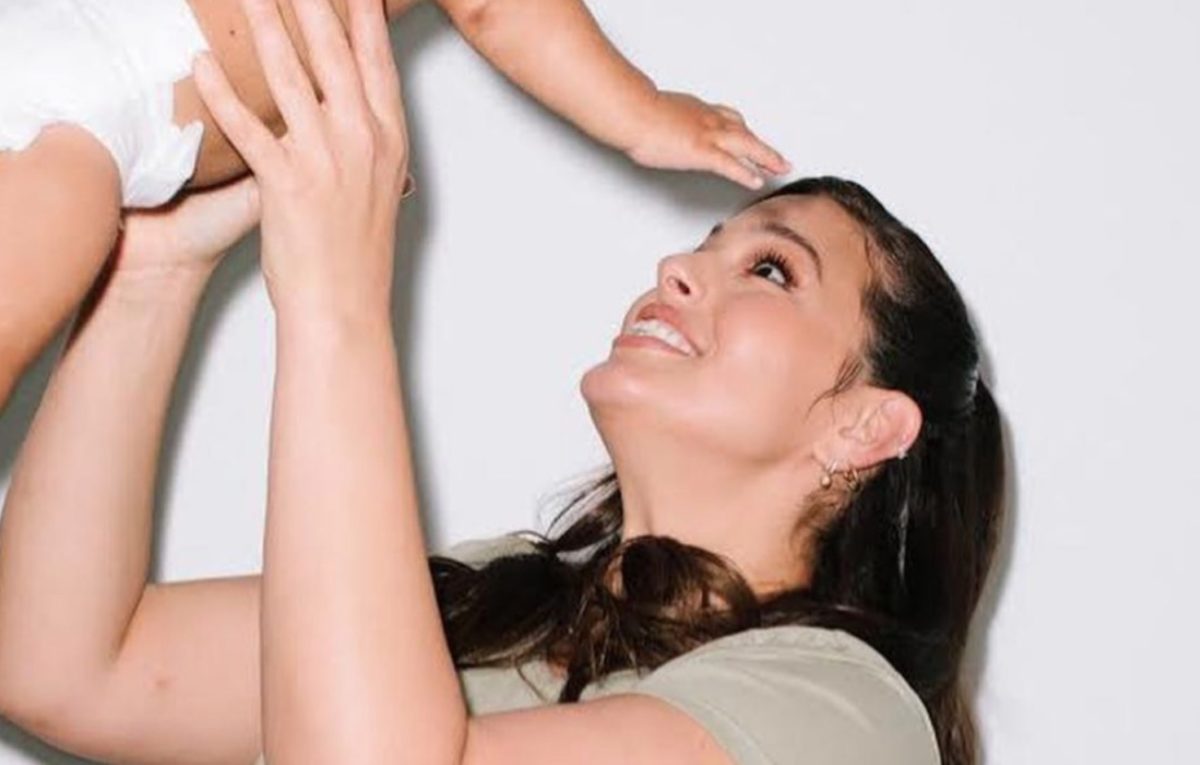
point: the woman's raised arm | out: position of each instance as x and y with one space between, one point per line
351 630
355 663
92 658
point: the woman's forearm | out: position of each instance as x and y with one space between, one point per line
555 51
355 666
75 534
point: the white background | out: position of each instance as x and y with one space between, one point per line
1047 151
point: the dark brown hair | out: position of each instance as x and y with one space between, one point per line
900 564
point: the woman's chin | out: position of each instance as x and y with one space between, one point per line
618 390
615 382
634 368
602 384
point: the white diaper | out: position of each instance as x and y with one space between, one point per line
107 66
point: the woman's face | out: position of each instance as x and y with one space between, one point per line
746 333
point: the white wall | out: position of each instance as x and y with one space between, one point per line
1048 153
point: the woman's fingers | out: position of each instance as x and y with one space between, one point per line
196 229
376 65
245 131
330 57
363 122
286 78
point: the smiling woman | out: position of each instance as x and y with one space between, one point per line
802 509
782 565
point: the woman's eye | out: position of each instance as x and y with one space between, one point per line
770 264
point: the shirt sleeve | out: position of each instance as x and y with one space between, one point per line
798 695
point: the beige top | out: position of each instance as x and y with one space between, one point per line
768 696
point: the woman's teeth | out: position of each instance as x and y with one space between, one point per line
662 331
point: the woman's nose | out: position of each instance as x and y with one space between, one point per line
677 278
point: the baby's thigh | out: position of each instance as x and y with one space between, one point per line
65 171
60 204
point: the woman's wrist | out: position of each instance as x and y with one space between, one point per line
640 114
332 325
152 284
141 295
140 301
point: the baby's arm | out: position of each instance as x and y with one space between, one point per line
555 51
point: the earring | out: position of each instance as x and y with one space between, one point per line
827 476
852 479
900 455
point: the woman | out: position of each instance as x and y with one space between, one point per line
807 473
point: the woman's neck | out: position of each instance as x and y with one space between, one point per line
748 517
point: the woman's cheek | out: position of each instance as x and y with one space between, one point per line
765 347
778 365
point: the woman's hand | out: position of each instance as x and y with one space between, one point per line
190 234
685 133
331 187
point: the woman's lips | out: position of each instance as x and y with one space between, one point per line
670 316
646 341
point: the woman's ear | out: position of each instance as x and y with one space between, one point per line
888 422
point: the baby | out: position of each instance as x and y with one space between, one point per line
98 113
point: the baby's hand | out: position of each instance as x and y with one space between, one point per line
686 133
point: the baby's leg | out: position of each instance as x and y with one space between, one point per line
60 197
60 202
228 35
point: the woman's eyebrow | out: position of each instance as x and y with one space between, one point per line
778 229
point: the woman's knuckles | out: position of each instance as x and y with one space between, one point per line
352 133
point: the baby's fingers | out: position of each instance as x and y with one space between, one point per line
741 143
728 112
240 125
727 165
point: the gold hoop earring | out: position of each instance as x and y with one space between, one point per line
853 480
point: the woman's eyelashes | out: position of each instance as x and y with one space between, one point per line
771 262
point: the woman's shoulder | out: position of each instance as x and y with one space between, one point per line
799 643
764 693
